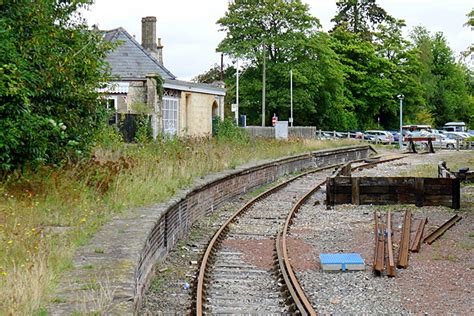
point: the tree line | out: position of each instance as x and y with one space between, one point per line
347 78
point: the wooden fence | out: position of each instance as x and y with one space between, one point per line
393 190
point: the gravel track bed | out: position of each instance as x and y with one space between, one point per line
439 279
254 231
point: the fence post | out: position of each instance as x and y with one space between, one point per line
348 135
334 134
319 134
355 191
457 144
419 191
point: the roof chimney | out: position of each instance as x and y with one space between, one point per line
149 38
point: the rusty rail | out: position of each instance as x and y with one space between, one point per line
391 271
416 242
378 265
442 229
404 241
220 234
296 292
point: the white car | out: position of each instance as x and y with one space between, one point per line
442 141
380 136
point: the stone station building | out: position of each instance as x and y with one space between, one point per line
186 109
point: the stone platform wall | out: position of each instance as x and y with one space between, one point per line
112 272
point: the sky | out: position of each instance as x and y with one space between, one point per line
190 34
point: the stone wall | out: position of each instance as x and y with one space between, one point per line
111 273
195 113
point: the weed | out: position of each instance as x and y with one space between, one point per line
99 250
47 213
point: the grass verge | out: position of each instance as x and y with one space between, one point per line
46 214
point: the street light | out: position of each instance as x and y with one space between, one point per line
400 136
291 97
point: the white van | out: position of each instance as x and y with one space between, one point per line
455 127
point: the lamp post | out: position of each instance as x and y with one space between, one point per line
291 97
400 136
237 95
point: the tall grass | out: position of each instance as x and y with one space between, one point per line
47 213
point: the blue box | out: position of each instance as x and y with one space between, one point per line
341 261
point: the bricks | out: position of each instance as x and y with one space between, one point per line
156 229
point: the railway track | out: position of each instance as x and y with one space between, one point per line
228 284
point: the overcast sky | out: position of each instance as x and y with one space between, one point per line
190 35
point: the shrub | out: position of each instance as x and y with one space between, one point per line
227 131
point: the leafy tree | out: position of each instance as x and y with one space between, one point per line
288 34
446 82
403 70
360 16
51 65
210 76
276 25
367 85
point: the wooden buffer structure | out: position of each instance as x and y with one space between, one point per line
342 188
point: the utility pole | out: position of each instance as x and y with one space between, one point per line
291 97
263 86
400 136
222 67
237 95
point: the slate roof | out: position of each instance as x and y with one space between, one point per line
130 60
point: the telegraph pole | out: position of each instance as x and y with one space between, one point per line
291 97
263 86
237 95
400 137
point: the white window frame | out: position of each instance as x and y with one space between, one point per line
115 99
170 115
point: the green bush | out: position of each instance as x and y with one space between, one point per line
51 65
227 131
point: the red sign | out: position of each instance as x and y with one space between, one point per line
274 120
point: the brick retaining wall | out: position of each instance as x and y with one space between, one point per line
112 272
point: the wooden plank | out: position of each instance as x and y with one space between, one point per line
419 190
380 247
329 189
404 241
341 199
442 229
456 189
416 242
391 271
355 191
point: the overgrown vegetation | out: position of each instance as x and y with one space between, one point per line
51 65
47 213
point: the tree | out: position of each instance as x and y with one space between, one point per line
446 82
368 87
51 65
289 36
403 70
360 16
276 25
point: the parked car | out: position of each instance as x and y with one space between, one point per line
442 141
457 135
405 134
379 136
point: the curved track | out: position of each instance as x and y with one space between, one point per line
228 284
